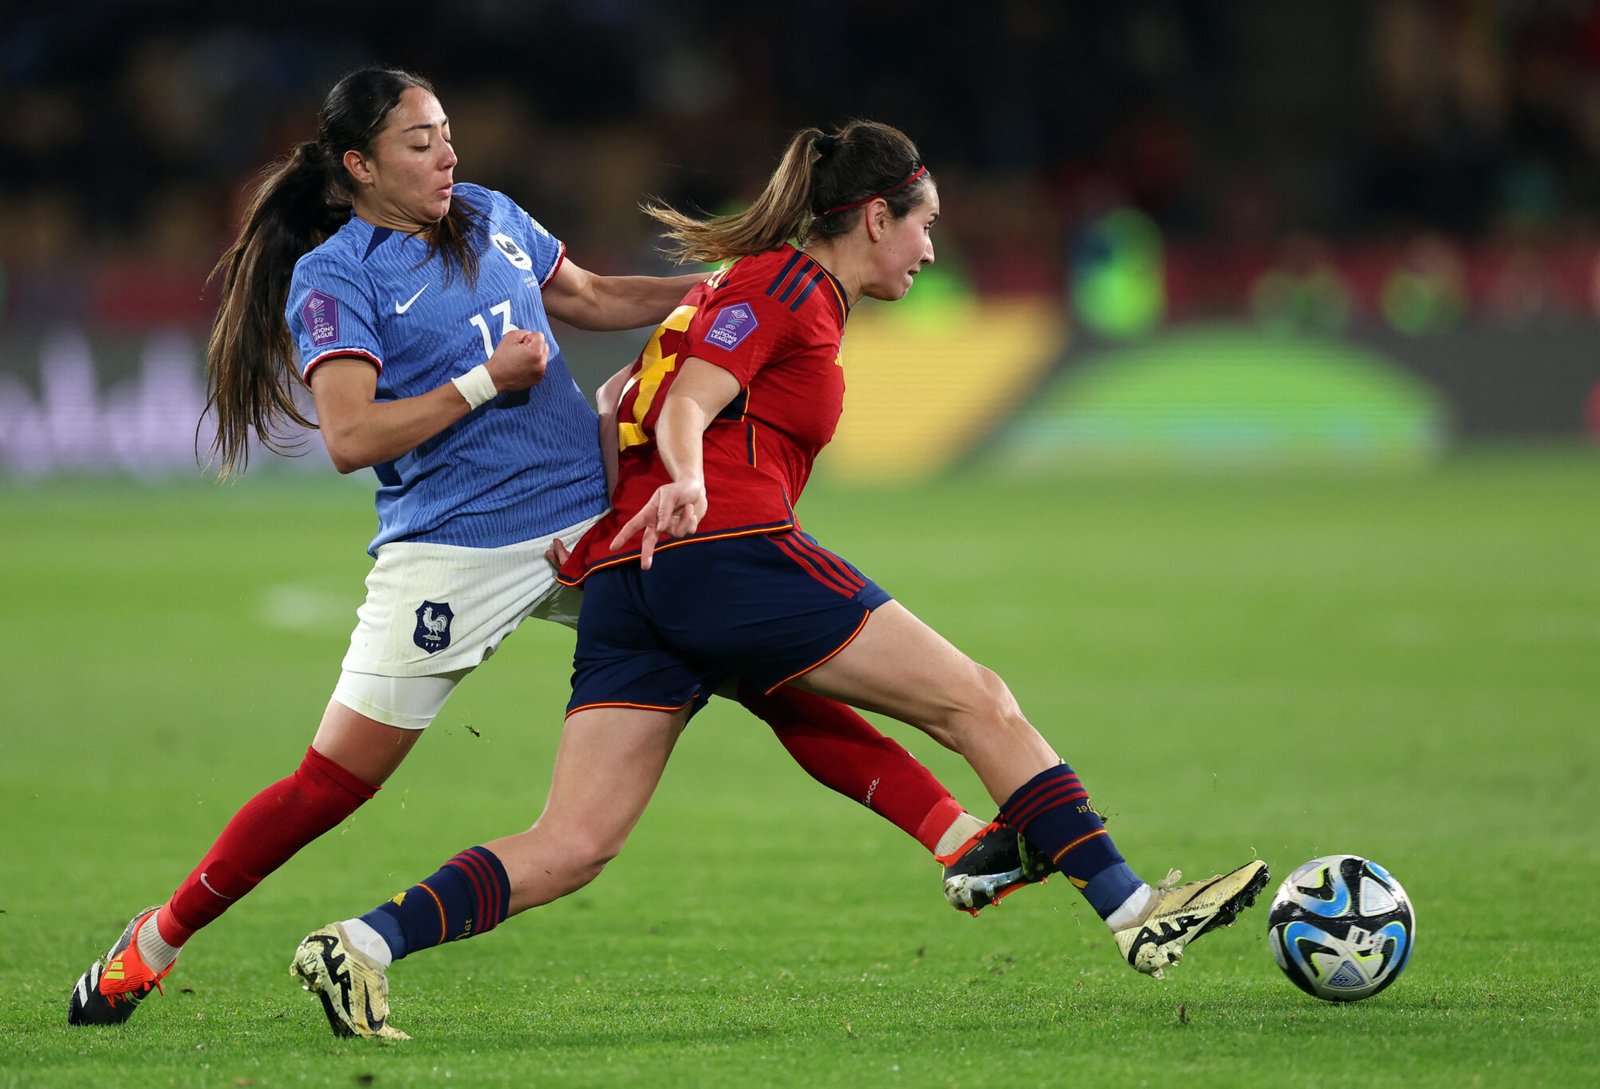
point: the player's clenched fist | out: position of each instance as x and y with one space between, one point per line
520 360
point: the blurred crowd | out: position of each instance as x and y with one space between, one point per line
1274 145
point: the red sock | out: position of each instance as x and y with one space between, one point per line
262 836
842 751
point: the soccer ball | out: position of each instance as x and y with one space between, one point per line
1341 928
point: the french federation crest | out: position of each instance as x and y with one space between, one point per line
513 252
433 626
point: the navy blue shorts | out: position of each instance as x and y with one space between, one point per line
768 608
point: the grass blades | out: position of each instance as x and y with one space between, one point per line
1404 666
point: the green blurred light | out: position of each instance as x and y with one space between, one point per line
1230 397
1422 301
1119 275
1283 302
940 297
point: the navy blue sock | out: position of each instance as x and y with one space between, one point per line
1052 811
469 895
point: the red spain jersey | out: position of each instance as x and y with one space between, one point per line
774 321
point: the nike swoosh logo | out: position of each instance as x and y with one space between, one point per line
402 307
211 890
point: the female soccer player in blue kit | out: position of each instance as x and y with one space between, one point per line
701 572
418 310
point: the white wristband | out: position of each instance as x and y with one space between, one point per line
477 386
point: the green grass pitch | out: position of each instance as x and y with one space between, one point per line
1403 666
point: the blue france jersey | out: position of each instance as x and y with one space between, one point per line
522 466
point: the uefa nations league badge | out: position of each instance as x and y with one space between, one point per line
321 317
731 325
433 626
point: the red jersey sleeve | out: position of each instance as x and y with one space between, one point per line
774 321
741 329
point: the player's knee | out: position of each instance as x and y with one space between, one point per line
1001 704
983 702
573 858
588 858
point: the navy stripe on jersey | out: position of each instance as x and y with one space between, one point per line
794 281
841 301
810 287
800 269
784 274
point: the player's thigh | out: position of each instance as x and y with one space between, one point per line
899 666
366 748
607 766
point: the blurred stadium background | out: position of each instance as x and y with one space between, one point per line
1311 250
1176 232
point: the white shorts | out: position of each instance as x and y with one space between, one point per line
437 611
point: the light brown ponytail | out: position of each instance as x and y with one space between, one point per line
821 177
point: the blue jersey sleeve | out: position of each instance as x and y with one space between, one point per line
546 250
331 311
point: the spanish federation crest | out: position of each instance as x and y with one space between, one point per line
512 252
433 626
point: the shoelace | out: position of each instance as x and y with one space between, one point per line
133 994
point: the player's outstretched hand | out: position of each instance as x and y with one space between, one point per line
520 360
674 510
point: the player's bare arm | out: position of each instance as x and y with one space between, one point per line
586 300
606 401
360 431
700 391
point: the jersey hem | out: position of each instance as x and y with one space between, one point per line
561 257
633 557
305 372
625 705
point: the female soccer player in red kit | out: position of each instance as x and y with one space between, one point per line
701 574
366 271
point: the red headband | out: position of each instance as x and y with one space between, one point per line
915 174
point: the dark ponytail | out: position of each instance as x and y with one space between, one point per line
250 355
251 372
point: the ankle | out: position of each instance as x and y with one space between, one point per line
963 828
1132 909
366 940
156 952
